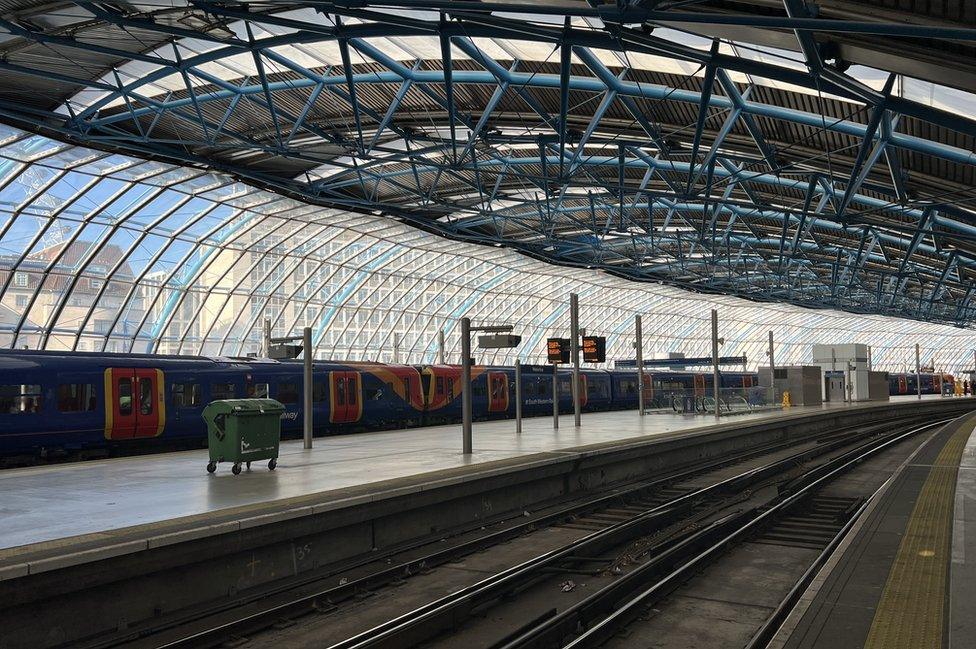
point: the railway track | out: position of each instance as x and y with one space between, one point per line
665 509
681 534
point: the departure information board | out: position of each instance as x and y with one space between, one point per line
594 349
557 350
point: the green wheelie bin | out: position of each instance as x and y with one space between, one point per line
243 431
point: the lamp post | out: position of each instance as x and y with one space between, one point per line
518 396
277 348
490 342
574 351
307 393
716 341
918 371
639 344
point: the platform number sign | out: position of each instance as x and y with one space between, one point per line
557 350
594 349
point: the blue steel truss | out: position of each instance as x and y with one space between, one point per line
721 180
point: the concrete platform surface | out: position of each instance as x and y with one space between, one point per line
53 502
905 577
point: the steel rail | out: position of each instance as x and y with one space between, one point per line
425 621
727 531
305 603
315 601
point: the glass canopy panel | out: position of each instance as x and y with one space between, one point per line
100 256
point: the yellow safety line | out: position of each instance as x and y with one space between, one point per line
911 613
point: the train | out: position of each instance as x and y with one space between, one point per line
932 383
54 404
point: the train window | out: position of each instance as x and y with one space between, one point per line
187 395
219 391
257 391
288 392
145 396
319 393
450 388
20 399
498 388
125 397
439 383
565 386
544 386
76 397
351 401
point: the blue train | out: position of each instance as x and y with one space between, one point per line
87 404
932 383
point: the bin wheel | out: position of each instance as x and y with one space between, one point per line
211 467
248 466
236 469
272 463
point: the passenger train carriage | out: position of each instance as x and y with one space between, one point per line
937 383
53 403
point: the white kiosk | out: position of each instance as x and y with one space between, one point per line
847 373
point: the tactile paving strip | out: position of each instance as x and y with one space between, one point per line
911 613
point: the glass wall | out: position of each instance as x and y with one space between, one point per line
103 252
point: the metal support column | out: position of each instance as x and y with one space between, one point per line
267 338
918 370
440 346
715 376
466 385
518 397
555 396
639 344
870 363
849 384
396 347
574 351
307 396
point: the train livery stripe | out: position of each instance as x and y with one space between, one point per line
161 403
109 403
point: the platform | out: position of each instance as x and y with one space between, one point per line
52 502
906 575
80 535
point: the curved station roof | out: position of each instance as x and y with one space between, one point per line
171 174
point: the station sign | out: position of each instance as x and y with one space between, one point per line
498 341
557 350
594 349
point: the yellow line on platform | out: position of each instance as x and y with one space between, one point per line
911 613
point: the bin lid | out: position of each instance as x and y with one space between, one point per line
244 407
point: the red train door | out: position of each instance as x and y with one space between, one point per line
497 392
582 390
902 384
746 381
699 385
346 397
135 406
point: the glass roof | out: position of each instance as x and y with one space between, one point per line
775 153
105 252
